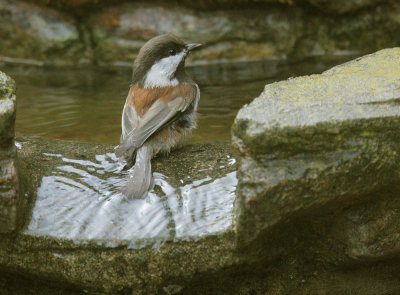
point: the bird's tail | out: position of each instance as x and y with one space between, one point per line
140 181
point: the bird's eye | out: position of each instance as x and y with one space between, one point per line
171 52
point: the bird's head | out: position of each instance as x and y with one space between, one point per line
160 60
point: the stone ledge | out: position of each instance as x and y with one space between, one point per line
106 260
315 143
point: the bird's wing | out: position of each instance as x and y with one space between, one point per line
130 120
136 129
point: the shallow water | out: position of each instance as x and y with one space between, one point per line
81 200
86 104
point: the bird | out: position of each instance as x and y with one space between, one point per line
160 109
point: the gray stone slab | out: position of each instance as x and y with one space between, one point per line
81 231
318 141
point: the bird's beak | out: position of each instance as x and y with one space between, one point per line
192 46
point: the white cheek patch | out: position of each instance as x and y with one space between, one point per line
160 73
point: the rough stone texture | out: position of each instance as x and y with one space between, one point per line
8 172
116 269
370 230
7 110
338 6
224 33
326 141
111 32
37 35
343 6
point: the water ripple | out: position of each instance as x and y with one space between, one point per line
81 201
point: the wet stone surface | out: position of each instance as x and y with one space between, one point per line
81 231
79 194
8 173
327 141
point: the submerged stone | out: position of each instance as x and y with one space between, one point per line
82 231
319 142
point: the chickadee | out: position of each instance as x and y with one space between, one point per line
160 109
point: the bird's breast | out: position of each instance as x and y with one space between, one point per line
143 98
